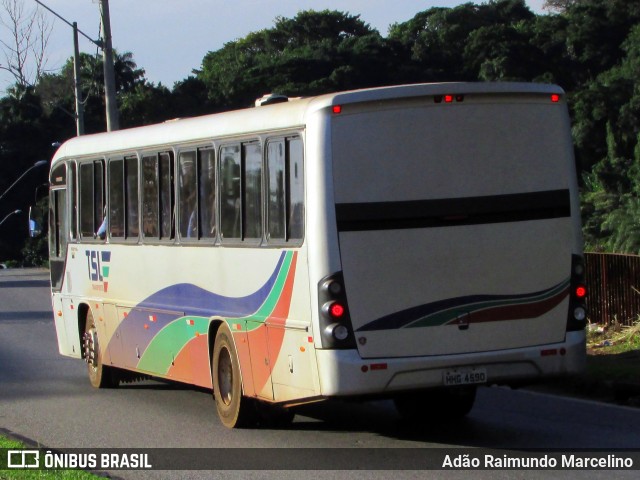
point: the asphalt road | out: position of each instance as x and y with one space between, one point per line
47 398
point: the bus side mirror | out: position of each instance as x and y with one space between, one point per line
35 230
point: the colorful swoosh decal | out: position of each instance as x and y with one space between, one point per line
175 344
474 309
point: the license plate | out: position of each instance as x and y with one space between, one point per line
465 376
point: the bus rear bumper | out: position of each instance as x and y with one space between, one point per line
345 373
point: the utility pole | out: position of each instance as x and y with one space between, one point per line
76 66
76 82
113 122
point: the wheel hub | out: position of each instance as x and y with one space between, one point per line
225 377
89 347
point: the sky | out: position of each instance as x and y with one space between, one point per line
169 38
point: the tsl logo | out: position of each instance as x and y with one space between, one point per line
98 268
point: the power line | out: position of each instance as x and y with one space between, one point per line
99 43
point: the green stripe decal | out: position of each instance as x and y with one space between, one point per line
446 316
474 309
170 340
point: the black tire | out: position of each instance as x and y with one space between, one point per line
436 406
100 375
234 410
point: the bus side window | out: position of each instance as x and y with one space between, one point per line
295 200
58 237
71 185
166 196
131 199
116 198
251 185
230 192
150 185
276 196
285 198
187 195
91 198
207 192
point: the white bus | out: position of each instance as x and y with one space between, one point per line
408 242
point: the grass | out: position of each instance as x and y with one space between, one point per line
613 366
614 339
7 443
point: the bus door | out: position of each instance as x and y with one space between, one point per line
58 225
61 226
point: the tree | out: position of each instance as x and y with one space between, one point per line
608 131
313 53
57 90
449 44
25 47
23 141
559 5
145 104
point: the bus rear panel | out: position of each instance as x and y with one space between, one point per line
459 240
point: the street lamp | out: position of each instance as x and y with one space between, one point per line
39 163
15 212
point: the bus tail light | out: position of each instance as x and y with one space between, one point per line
577 308
334 309
335 322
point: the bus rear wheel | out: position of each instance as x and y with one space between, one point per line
234 410
100 375
436 406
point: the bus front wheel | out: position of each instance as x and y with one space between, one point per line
100 375
234 410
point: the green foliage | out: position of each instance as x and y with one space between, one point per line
313 53
589 47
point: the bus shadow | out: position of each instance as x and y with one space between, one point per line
143 382
376 417
381 418
487 426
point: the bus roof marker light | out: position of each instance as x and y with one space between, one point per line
448 98
337 109
555 98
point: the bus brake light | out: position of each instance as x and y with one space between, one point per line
336 310
581 291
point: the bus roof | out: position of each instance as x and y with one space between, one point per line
285 115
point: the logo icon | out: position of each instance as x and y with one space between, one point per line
98 268
23 459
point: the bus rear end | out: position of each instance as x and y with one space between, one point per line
459 241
